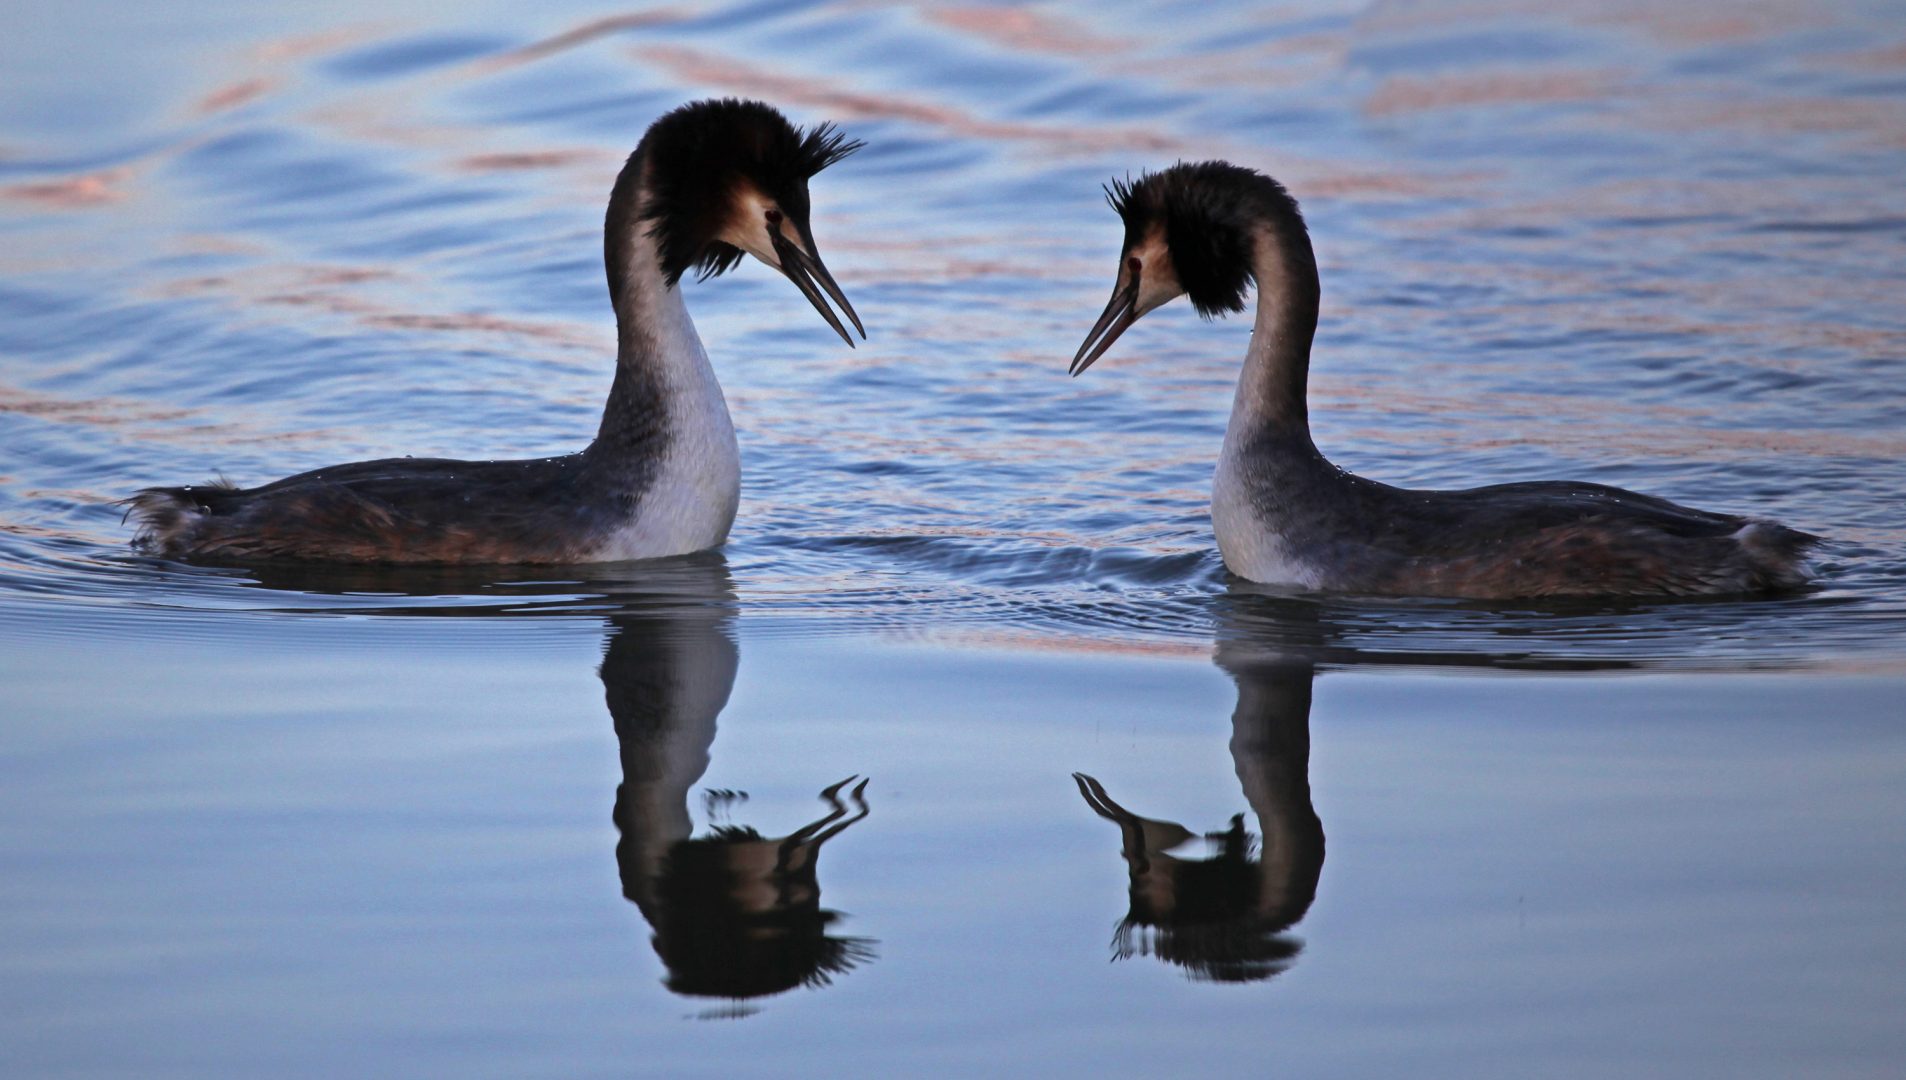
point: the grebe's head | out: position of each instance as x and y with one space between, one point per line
725 177
1190 231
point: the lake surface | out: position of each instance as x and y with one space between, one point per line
1088 806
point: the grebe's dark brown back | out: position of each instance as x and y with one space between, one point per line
1284 515
709 182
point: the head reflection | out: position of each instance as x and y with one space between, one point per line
1220 905
736 914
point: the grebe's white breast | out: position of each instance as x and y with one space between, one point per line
1251 539
694 489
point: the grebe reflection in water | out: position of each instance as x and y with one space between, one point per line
1226 917
735 914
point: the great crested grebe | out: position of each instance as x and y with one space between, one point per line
1286 516
709 182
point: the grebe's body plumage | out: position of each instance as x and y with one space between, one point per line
709 182
1284 515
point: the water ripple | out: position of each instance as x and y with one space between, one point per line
1621 243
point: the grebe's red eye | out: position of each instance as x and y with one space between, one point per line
774 217
1135 264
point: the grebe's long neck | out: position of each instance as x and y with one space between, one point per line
1271 388
1271 480
666 450
663 378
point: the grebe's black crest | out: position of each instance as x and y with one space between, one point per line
1207 210
699 159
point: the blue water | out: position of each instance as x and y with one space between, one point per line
329 821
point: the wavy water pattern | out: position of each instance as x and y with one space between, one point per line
1614 241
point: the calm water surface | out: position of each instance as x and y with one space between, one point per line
307 822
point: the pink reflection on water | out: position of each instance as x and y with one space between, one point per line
236 94
332 290
103 412
1285 65
579 36
1881 123
320 43
522 160
1878 58
143 422
1669 24
753 79
1402 94
1324 181
1028 31
1686 24
84 191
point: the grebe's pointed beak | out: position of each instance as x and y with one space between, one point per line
1120 312
805 269
827 280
